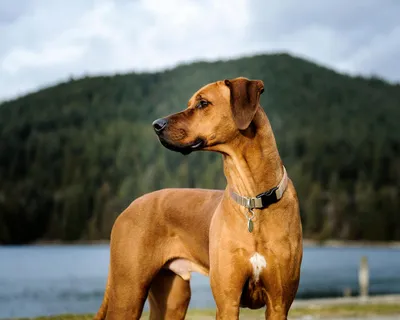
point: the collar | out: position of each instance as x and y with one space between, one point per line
265 199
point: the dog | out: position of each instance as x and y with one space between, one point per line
246 238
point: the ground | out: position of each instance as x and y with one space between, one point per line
373 308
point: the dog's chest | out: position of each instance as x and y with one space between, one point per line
254 293
258 263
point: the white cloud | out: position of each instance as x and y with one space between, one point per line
19 59
44 42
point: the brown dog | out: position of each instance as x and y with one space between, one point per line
250 247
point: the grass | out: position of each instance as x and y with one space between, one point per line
351 310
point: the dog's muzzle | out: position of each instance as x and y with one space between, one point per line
159 127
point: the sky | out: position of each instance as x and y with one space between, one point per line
43 42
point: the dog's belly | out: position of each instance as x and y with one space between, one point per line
183 268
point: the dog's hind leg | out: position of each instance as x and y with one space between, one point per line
127 293
132 271
169 296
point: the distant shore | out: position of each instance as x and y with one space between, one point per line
307 243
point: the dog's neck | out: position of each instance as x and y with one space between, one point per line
252 164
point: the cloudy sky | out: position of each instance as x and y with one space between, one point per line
43 41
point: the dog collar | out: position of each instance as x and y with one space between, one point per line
265 199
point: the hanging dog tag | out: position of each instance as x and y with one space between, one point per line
250 225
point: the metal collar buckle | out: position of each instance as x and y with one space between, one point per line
250 203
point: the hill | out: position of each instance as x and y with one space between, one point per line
72 156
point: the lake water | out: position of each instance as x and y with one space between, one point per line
46 280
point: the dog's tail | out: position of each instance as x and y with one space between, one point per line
101 314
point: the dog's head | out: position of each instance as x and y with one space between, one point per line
215 115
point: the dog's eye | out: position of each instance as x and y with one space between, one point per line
202 104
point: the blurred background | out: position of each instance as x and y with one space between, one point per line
81 82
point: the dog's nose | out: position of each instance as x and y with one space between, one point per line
159 125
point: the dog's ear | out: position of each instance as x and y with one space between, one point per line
245 97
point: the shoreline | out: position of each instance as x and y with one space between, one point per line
333 243
308 243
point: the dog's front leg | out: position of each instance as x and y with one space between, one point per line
228 274
281 277
226 286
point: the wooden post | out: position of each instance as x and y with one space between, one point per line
363 277
347 292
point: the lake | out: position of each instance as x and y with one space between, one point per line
47 280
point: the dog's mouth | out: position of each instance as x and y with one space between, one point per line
185 149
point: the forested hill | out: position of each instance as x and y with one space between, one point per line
74 155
